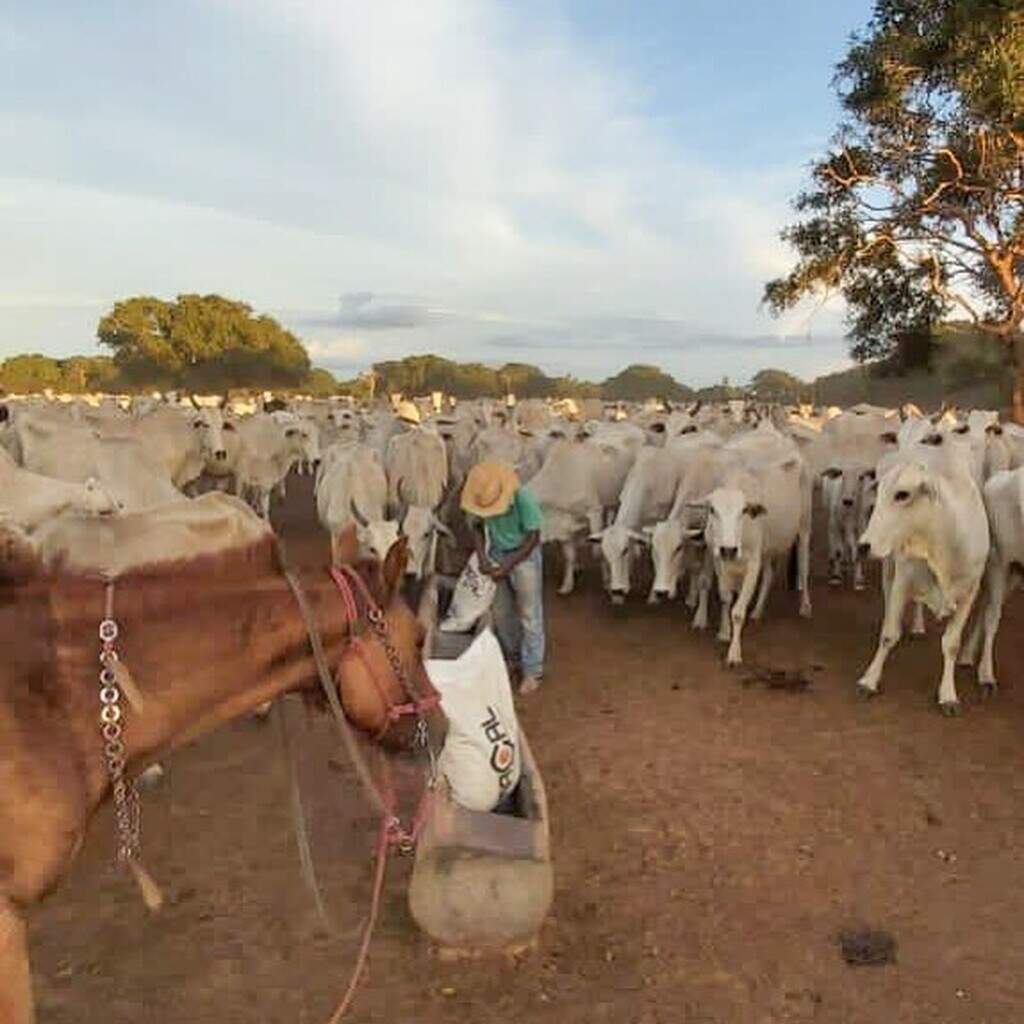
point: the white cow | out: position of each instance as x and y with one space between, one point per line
352 486
417 469
29 499
579 485
268 451
677 543
756 514
647 497
1004 502
930 520
72 452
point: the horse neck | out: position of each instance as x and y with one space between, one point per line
203 651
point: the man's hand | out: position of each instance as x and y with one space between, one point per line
496 570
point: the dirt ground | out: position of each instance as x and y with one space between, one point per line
712 836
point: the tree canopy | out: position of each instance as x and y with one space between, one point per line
778 386
639 381
33 373
916 212
200 342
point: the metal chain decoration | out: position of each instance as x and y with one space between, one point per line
126 795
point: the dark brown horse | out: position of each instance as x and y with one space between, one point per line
206 641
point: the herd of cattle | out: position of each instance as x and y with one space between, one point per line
717 498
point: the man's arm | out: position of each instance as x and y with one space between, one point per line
521 553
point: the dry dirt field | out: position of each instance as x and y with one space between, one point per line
712 834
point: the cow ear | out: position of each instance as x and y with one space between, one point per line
345 546
832 473
394 566
889 437
595 538
755 509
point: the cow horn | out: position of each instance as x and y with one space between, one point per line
192 398
356 514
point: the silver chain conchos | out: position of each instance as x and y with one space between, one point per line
126 795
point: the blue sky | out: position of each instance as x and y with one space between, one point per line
576 183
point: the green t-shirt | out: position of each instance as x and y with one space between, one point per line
507 532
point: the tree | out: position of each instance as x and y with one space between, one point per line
320 383
917 210
201 342
639 382
30 374
777 386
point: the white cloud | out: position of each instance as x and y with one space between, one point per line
471 157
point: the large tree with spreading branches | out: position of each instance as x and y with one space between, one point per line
916 213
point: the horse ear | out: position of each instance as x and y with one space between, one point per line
345 546
394 566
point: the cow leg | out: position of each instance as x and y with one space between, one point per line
767 578
948 700
835 549
892 629
265 504
15 984
739 613
803 569
569 562
725 596
595 520
995 585
693 591
917 626
700 617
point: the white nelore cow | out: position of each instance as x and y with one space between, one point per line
28 499
417 469
845 455
352 486
756 514
929 521
75 453
579 484
674 547
647 497
268 451
1004 502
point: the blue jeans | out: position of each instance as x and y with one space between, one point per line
519 614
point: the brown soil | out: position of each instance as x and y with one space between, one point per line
714 832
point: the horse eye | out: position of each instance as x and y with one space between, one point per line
901 496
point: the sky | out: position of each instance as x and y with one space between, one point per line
580 184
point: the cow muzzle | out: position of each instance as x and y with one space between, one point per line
864 549
618 596
728 554
220 455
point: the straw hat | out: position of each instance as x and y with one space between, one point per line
489 489
408 412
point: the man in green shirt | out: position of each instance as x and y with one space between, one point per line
507 541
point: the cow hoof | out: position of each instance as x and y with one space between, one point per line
860 586
805 610
835 581
866 692
699 624
564 591
950 708
988 690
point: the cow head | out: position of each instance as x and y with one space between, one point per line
730 518
904 507
208 423
303 441
619 545
421 526
376 536
668 541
